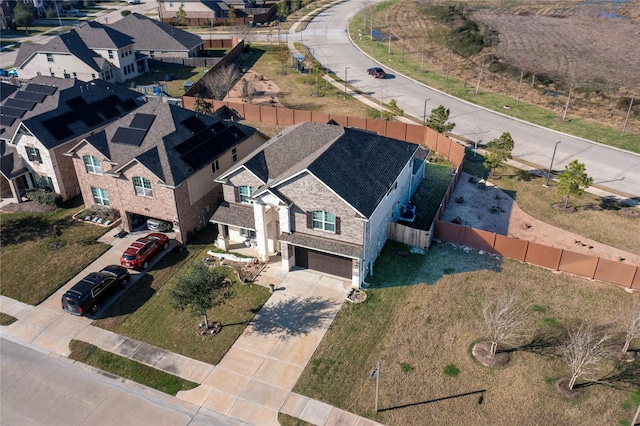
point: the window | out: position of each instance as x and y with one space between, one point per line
46 183
142 186
49 57
110 54
75 75
247 233
324 221
92 164
234 155
100 196
244 193
170 3
215 166
152 53
33 154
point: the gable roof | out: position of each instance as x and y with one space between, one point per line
359 166
177 142
99 36
12 164
68 43
149 34
69 109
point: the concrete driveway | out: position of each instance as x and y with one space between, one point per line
254 379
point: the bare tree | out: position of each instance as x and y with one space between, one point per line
503 320
248 90
630 319
583 351
367 12
220 82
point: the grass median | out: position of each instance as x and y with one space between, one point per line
128 369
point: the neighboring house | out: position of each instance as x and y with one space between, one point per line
43 119
155 39
321 195
160 162
93 51
201 9
114 53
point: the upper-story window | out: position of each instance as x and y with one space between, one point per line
110 54
33 154
142 186
244 194
234 155
170 3
49 57
92 164
215 166
323 221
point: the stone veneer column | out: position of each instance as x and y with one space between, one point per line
261 230
222 242
285 249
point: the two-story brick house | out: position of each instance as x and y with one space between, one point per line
41 120
321 195
161 162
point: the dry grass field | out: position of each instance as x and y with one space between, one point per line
586 45
416 331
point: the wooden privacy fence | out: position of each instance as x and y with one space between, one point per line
591 267
413 133
407 235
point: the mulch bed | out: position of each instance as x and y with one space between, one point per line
561 208
633 212
482 352
562 387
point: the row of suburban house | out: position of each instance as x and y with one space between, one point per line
321 195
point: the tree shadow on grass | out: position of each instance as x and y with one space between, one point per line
295 317
544 342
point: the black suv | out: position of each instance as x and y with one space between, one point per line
87 295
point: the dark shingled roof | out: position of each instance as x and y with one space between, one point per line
74 109
163 150
234 215
11 163
359 166
323 244
70 43
99 36
149 34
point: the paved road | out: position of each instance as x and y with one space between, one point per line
326 35
38 389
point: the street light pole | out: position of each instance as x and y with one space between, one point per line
546 185
345 82
424 113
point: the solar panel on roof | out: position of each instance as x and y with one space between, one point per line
109 111
58 129
128 136
20 104
194 124
5 120
90 118
30 96
13 112
41 88
142 121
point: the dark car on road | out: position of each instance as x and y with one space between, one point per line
139 253
376 72
88 295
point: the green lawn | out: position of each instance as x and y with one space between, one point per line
147 314
175 87
128 369
30 271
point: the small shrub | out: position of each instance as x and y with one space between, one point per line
451 370
457 220
44 197
473 179
406 367
460 200
449 271
127 12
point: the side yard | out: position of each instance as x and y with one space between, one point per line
422 333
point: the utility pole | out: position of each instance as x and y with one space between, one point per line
624 128
519 87
546 185
424 113
345 82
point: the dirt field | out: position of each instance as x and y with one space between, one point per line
475 210
588 46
